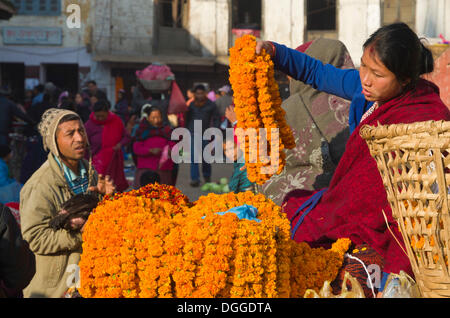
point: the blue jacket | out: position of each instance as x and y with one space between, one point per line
324 77
4 174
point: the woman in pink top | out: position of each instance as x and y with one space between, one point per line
153 146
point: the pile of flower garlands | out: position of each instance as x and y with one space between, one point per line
134 246
258 105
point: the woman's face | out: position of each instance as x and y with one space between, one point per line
101 115
155 118
78 99
379 84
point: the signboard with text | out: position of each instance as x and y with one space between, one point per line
32 35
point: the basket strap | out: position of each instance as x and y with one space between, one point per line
310 204
390 231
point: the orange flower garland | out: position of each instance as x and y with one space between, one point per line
123 249
138 246
258 105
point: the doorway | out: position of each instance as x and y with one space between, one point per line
64 76
12 75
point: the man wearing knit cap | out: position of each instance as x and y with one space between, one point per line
63 175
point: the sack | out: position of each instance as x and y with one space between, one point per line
177 103
155 71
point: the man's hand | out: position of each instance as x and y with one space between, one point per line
77 224
105 186
266 45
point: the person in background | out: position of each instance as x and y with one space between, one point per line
190 96
153 146
28 99
149 177
238 181
82 106
9 188
17 261
64 175
94 91
63 97
107 135
122 108
9 110
68 104
223 102
204 112
38 95
93 99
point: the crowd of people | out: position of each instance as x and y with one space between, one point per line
330 188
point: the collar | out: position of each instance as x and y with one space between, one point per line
69 174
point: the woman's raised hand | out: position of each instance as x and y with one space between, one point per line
266 45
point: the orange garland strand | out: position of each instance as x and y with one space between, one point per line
258 105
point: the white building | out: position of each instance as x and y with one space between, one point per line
118 37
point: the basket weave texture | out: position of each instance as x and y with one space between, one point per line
414 163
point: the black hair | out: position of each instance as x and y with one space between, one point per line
67 104
152 109
69 117
101 105
92 82
402 52
4 150
149 177
200 87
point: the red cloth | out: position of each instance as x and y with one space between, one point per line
109 161
352 205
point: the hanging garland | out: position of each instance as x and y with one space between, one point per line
258 105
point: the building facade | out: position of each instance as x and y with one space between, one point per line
117 37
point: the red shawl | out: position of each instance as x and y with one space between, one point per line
107 161
352 205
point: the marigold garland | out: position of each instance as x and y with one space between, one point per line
138 246
258 105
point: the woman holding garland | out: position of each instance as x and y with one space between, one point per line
387 89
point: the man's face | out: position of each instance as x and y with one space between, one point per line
92 87
93 100
200 96
71 140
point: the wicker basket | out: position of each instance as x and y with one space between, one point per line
414 163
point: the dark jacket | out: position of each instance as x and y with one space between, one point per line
7 110
208 114
17 261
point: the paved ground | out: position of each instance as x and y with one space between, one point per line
218 171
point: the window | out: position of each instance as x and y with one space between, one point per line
172 12
321 15
38 7
246 14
